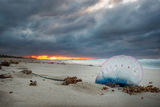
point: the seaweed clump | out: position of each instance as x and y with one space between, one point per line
71 80
14 62
139 89
134 89
5 63
26 71
32 83
104 88
3 76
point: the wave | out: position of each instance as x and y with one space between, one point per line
150 63
146 63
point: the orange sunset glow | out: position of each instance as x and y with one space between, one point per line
46 57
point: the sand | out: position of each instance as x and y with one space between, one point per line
49 93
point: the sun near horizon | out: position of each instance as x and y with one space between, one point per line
47 57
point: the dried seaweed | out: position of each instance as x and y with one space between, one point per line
71 80
139 89
32 83
3 76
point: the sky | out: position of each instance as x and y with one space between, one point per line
88 28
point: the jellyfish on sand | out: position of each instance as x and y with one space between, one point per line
120 69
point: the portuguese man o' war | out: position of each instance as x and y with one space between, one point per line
124 70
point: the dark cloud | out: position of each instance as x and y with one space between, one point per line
16 12
34 27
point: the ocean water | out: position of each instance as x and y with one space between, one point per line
150 63
146 63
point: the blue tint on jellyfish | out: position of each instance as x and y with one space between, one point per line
112 80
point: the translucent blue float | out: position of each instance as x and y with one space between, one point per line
124 70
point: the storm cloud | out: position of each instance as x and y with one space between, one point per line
80 27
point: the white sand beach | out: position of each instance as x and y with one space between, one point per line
49 93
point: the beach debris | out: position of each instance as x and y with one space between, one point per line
139 89
113 85
32 83
104 88
13 62
51 63
134 89
150 82
3 76
90 65
61 63
141 97
71 80
26 71
102 94
10 92
5 63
